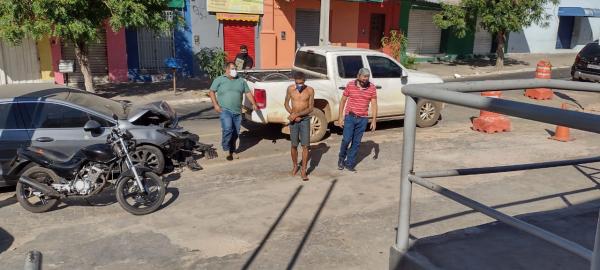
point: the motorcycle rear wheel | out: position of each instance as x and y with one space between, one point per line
25 193
137 203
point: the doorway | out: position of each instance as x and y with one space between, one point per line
565 32
307 28
377 29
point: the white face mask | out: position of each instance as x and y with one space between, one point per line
233 73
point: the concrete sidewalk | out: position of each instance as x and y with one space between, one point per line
514 63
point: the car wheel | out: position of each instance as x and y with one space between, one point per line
318 125
150 156
428 113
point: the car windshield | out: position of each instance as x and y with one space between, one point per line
591 50
99 104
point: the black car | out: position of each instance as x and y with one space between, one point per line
52 117
587 63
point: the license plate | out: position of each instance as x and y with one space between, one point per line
593 66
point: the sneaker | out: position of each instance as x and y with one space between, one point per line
340 164
234 155
351 169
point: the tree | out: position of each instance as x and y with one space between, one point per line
499 17
78 21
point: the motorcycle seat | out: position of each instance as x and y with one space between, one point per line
61 164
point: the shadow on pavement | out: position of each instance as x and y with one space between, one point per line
272 229
365 150
311 226
316 154
139 89
568 98
10 200
257 133
498 246
561 195
6 239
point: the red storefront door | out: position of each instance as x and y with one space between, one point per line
236 33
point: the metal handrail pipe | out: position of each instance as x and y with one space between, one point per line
504 85
506 168
557 116
511 221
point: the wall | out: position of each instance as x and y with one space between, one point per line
537 39
45 54
183 43
280 16
116 54
205 26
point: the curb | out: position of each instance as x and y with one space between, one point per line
499 73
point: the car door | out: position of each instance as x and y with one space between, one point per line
59 126
13 135
387 75
348 67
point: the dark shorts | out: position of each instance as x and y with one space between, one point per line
300 132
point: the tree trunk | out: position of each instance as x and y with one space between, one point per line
81 53
500 38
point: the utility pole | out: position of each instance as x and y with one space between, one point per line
324 24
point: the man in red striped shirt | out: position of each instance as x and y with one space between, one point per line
353 117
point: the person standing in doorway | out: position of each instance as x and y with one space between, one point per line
353 117
226 93
243 60
302 97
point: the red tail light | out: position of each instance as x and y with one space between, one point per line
577 58
260 96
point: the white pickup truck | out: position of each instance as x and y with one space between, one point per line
328 70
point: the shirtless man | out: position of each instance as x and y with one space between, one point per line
302 97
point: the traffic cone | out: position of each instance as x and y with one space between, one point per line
491 122
562 134
543 71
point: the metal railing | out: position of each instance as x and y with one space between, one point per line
455 93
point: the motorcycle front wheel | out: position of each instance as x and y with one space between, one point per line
136 201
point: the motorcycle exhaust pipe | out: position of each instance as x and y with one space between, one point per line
48 191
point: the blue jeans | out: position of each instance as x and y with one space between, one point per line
230 127
354 128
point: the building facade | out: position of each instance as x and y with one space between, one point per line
290 24
572 24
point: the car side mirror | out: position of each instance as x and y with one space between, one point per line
404 74
92 126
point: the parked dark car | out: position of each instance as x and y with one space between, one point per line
587 63
52 117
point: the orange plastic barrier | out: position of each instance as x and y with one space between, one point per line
490 122
543 71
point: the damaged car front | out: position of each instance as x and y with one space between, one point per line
179 145
162 143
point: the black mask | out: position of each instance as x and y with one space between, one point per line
364 84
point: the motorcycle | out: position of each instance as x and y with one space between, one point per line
51 176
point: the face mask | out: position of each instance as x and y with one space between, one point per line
364 84
299 87
233 73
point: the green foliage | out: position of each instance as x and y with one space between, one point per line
212 61
496 16
76 20
409 62
397 42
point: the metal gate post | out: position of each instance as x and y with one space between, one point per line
596 251
408 151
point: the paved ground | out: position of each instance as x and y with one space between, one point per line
515 62
250 214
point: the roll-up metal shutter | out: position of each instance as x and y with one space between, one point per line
97 59
236 33
483 41
19 64
423 35
307 28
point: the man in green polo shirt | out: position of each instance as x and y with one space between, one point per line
226 93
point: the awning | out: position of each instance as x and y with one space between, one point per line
176 3
578 12
237 17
